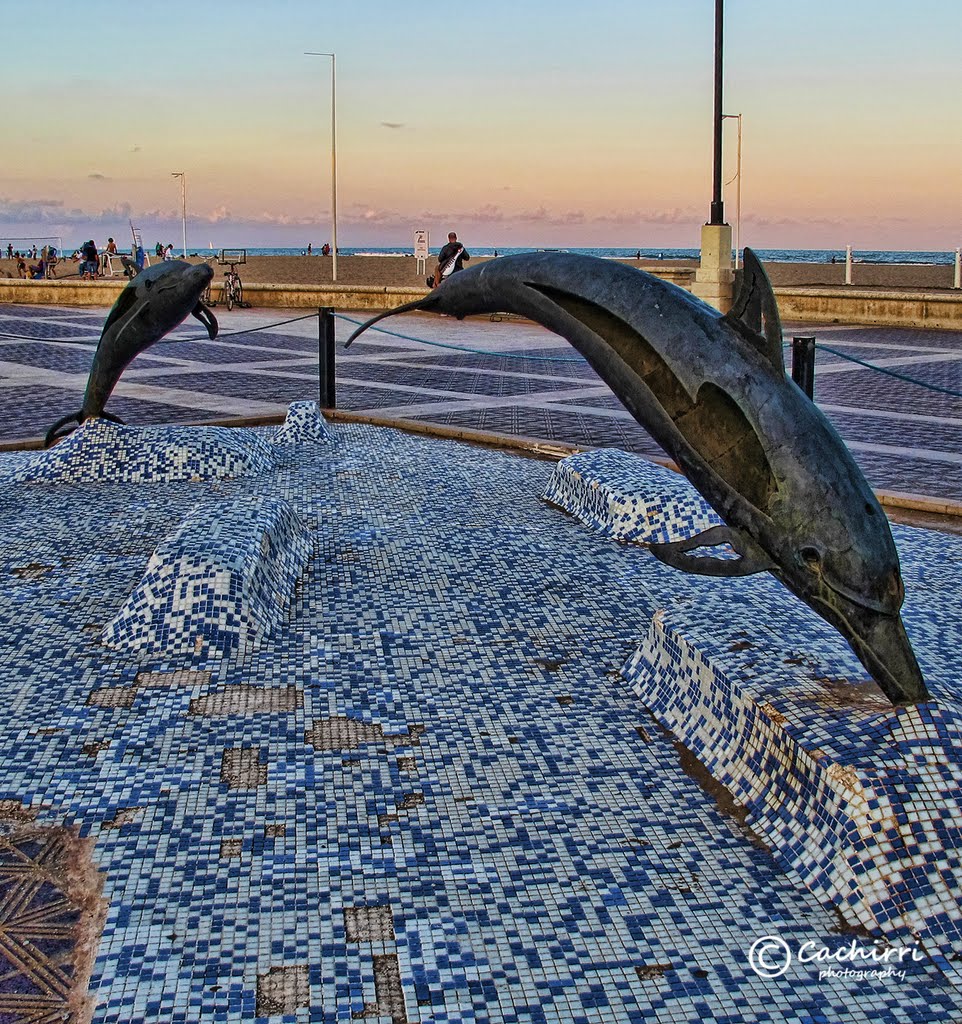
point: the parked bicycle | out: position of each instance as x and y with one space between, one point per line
233 289
232 292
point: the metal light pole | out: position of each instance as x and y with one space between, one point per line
717 206
715 278
183 202
738 189
311 53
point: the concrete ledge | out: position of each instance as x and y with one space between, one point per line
937 310
74 292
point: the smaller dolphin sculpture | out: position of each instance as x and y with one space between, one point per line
153 303
712 390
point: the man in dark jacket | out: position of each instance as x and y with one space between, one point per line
88 266
452 257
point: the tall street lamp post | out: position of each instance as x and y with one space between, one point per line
715 278
717 205
310 53
183 202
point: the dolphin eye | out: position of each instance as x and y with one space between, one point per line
811 557
148 285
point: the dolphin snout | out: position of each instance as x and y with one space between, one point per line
882 646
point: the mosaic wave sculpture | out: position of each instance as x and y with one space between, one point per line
101 451
220 582
629 498
863 801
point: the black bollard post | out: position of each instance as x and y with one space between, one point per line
803 364
325 356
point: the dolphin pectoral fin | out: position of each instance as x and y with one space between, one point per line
56 432
752 558
207 318
754 312
425 303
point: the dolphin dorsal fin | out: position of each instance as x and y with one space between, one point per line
755 312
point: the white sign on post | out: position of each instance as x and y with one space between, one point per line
422 243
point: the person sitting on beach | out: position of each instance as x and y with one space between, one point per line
39 271
169 251
21 266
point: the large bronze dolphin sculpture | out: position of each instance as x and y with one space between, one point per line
712 390
153 303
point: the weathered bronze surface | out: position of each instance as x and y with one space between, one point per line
153 303
712 390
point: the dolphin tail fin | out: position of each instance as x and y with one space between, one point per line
754 312
56 432
207 318
751 558
424 303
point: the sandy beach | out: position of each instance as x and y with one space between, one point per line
401 271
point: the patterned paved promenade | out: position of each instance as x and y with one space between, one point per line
519 379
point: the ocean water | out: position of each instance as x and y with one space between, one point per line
945 257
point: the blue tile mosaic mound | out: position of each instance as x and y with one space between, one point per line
861 800
102 451
629 498
221 581
304 425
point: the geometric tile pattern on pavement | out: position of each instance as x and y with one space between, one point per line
431 797
520 380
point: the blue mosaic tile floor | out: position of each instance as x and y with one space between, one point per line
431 797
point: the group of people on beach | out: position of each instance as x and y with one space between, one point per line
48 258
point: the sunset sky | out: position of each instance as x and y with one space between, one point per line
515 122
